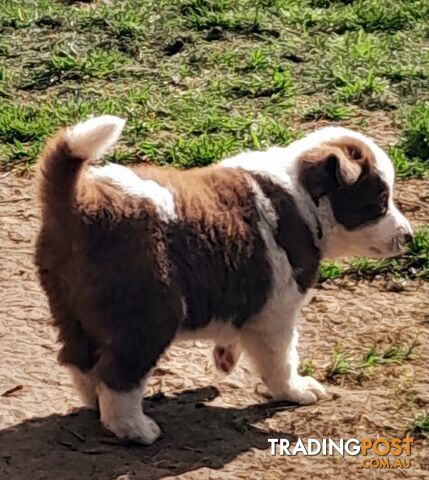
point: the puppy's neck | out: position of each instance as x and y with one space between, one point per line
330 245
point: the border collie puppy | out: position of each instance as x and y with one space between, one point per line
132 258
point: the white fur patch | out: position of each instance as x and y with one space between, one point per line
126 180
122 414
92 138
270 338
264 206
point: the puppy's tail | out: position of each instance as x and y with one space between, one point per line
64 156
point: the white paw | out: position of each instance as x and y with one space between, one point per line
151 431
145 430
303 390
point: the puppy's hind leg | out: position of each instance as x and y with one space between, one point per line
78 354
86 386
123 369
123 376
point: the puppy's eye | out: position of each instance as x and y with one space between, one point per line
355 153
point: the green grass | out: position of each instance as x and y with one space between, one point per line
201 79
394 354
330 271
416 134
411 155
327 111
414 263
308 368
343 363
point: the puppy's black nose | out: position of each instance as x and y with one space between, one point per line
408 238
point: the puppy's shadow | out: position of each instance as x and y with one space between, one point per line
196 435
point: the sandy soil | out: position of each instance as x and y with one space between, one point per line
214 428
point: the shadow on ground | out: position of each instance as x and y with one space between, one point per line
75 446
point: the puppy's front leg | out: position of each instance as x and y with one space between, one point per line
275 355
122 414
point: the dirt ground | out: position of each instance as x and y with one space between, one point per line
214 428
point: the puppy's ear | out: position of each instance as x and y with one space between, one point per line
332 165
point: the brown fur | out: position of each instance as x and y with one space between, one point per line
215 246
126 271
121 282
57 176
344 171
115 274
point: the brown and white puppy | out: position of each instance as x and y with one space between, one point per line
132 258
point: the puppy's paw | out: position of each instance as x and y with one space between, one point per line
145 431
303 390
150 431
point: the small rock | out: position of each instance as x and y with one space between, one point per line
294 58
394 286
175 47
216 33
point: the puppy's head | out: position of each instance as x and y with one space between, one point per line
352 180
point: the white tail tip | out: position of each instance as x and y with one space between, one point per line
92 138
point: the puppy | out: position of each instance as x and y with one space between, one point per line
132 258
